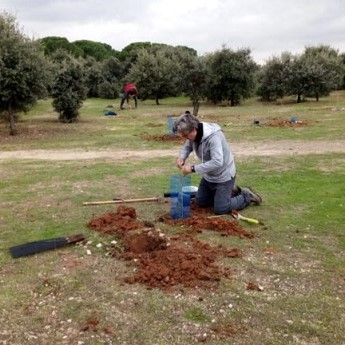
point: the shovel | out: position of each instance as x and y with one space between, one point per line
31 248
238 216
120 201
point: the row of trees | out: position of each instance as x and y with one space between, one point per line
315 73
71 72
161 70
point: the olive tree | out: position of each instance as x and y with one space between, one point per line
112 71
230 75
69 89
156 75
315 73
24 70
193 80
93 76
274 76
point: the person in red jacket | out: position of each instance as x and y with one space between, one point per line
130 90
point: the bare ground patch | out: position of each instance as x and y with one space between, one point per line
241 149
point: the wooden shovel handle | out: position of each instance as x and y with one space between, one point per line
124 201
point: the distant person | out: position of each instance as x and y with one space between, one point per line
217 166
130 91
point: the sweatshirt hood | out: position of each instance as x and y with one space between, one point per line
209 129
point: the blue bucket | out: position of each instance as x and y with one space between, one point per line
180 198
180 205
294 119
170 124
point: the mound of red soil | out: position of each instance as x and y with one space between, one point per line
286 123
164 137
167 262
116 223
144 242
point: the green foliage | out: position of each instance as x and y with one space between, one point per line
69 91
194 80
162 70
156 75
316 72
112 72
189 51
130 52
98 50
51 44
106 90
273 77
230 76
81 48
342 59
221 76
101 77
112 69
325 69
93 76
24 71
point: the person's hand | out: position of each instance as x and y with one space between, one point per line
186 170
179 163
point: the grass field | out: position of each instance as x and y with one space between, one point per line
76 295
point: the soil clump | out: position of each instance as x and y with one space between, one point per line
168 262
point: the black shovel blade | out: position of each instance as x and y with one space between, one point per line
31 248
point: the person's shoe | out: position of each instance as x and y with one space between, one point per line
235 191
253 197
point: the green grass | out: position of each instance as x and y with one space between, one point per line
69 295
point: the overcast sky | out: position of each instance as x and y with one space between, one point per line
266 27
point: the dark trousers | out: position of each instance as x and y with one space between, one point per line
218 196
125 97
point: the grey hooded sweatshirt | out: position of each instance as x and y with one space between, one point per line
217 161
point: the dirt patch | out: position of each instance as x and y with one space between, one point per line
153 125
35 132
241 149
285 123
164 137
170 262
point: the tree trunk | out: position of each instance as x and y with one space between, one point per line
13 129
157 101
196 106
298 98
